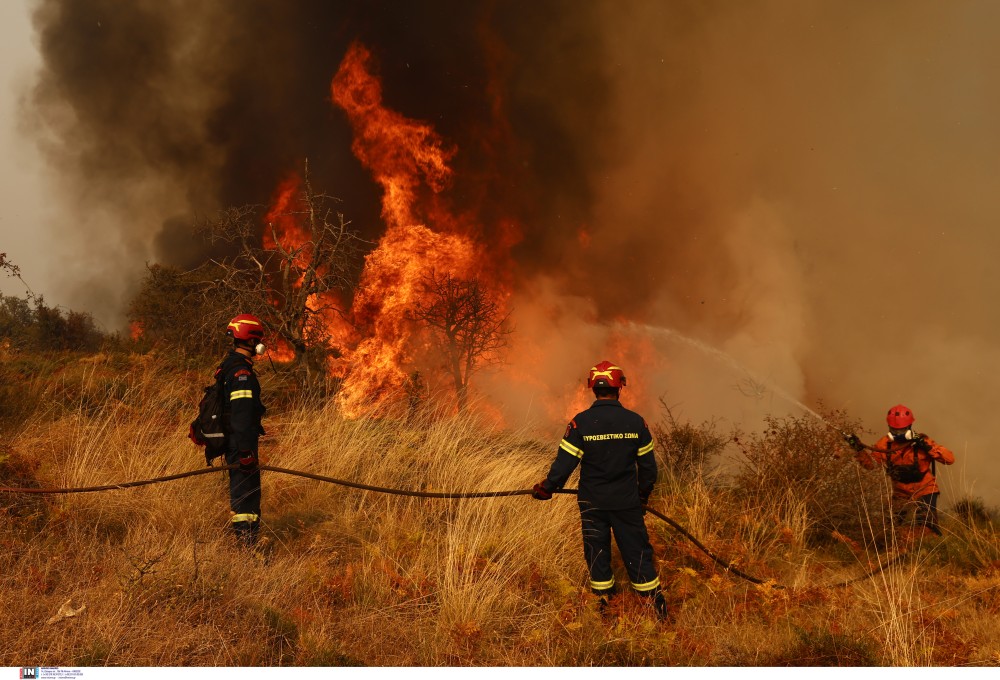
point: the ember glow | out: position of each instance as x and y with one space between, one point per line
284 231
135 330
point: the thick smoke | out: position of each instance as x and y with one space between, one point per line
805 187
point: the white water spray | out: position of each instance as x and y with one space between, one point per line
727 360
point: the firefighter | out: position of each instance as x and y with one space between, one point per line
242 404
909 459
614 449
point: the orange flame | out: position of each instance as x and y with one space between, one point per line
410 162
284 231
402 154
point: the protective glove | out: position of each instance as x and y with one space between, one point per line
855 443
644 499
540 493
920 443
248 460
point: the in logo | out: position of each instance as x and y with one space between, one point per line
31 673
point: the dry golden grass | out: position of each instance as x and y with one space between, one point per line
358 578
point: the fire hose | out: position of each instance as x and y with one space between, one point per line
728 566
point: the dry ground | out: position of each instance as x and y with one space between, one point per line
357 578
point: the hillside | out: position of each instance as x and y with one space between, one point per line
153 578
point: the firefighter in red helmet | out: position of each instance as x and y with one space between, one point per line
910 461
242 405
614 449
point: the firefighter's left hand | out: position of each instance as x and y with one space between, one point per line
853 441
920 443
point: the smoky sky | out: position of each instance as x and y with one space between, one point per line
807 186
157 112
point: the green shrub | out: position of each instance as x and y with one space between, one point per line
30 324
686 450
808 457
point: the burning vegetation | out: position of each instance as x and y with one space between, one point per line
422 301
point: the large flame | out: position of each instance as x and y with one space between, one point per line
411 163
423 235
283 230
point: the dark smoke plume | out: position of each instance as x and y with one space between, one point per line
157 112
807 186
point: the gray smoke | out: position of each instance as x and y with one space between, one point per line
807 187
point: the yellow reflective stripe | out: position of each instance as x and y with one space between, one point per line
645 587
602 585
646 449
240 394
245 517
570 449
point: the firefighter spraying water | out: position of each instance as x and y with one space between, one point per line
614 449
909 459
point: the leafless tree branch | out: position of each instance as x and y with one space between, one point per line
472 327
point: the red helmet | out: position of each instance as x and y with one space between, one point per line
246 327
899 417
606 374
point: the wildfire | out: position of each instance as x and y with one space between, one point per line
281 227
284 231
423 235
409 161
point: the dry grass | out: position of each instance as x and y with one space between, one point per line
358 578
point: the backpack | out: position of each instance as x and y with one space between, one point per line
209 428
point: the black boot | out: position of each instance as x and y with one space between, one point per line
604 598
659 603
246 533
660 606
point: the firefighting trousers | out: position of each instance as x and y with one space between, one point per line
244 501
633 544
925 512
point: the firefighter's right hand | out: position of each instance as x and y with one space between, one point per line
540 493
853 441
248 460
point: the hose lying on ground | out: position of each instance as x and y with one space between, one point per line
728 566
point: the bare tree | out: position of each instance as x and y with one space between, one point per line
295 282
472 326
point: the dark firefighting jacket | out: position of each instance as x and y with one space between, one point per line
242 405
911 470
614 450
